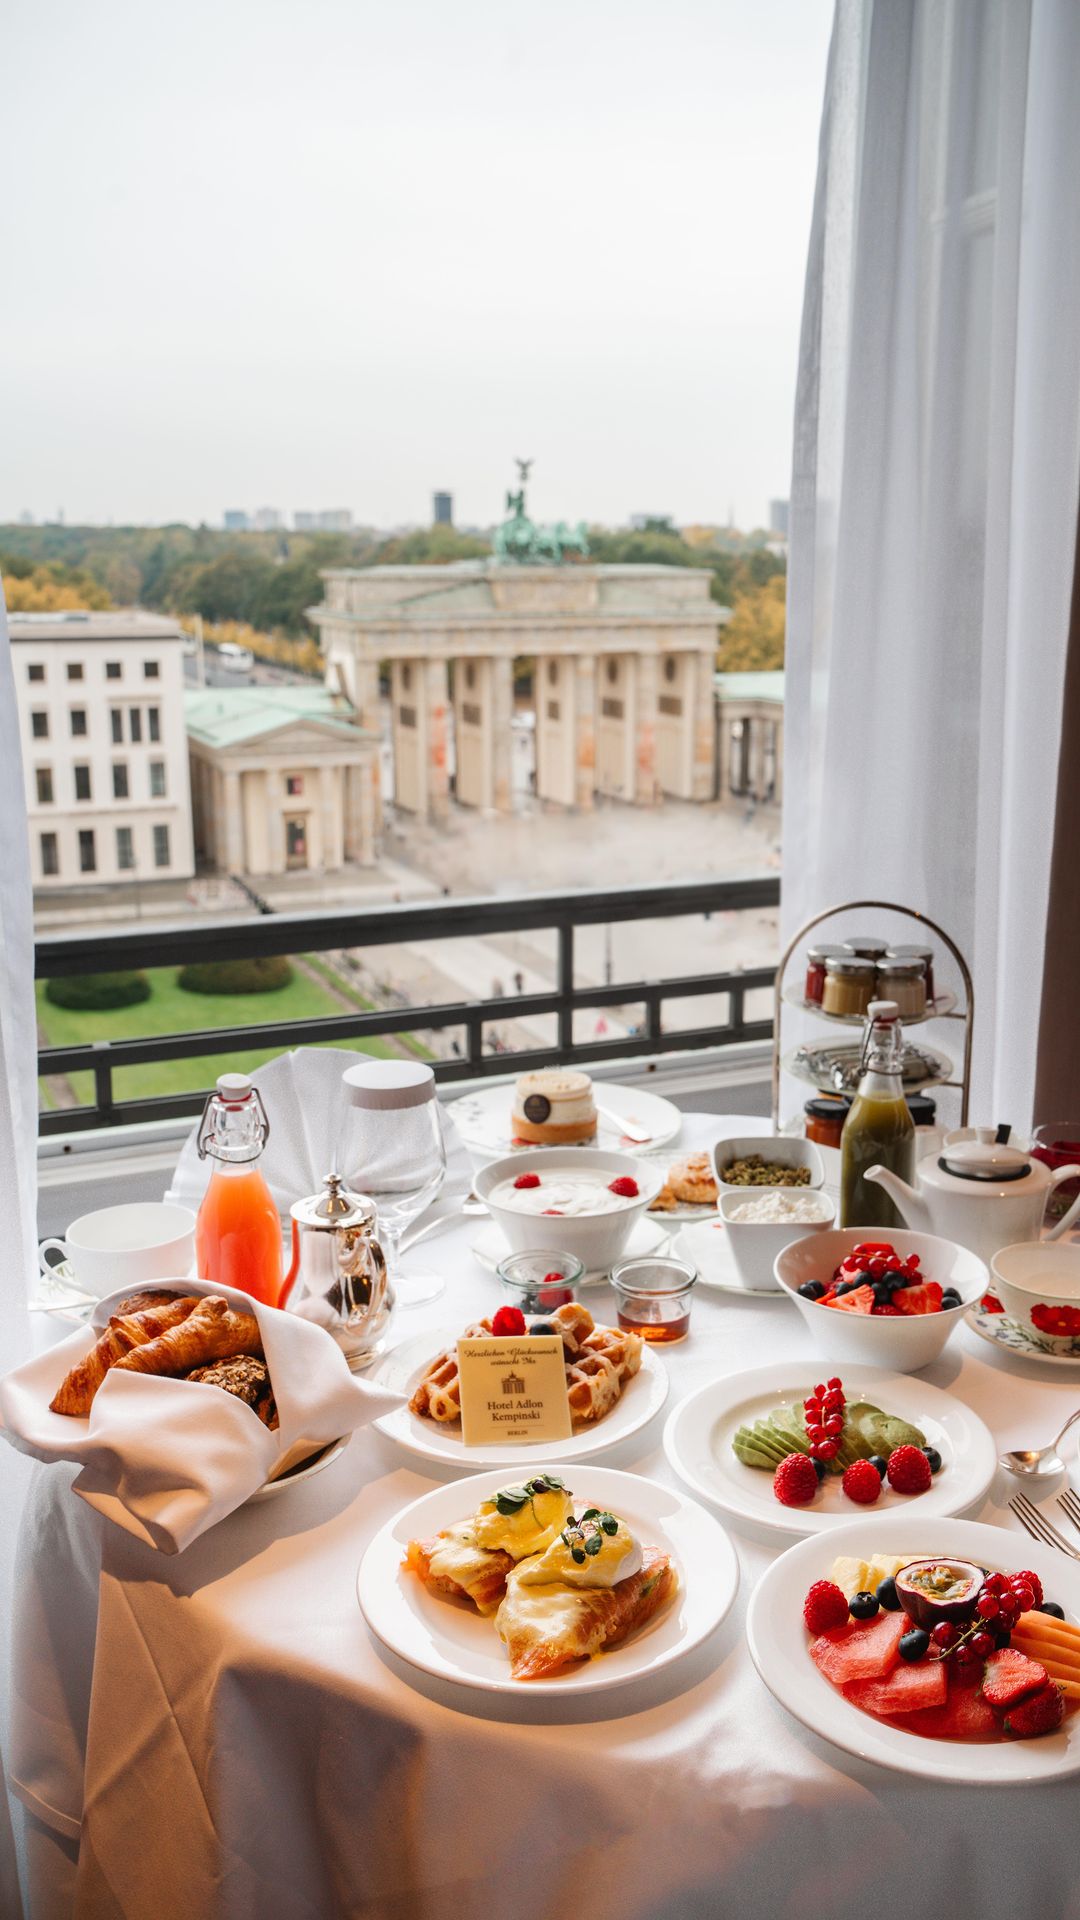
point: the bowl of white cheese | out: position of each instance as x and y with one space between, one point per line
762 1221
579 1200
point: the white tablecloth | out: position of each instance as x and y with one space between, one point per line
225 1739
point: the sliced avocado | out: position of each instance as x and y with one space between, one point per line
881 1432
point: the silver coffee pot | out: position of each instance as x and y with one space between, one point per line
338 1270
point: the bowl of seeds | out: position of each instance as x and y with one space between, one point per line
770 1160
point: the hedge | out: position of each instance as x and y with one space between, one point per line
267 975
96 992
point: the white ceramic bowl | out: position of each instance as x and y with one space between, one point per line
597 1239
905 1343
784 1149
1038 1282
755 1243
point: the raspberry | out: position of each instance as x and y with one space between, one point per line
508 1320
1030 1580
553 1279
909 1470
861 1483
527 1180
626 1188
795 1482
824 1607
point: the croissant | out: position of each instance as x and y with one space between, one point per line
75 1394
212 1331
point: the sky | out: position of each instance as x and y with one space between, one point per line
343 253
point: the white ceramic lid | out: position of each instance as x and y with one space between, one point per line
985 1160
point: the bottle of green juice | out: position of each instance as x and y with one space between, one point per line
879 1130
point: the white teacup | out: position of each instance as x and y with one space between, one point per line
126 1246
1038 1284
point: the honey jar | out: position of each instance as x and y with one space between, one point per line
849 985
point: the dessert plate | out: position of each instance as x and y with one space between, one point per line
707 1247
700 1430
401 1371
453 1642
485 1120
778 1647
1002 1332
490 1246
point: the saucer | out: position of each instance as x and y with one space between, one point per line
1000 1331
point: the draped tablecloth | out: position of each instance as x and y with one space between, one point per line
222 1736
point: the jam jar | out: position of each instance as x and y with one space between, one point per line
815 971
825 1119
866 946
849 985
925 954
905 982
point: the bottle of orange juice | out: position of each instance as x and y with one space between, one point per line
238 1239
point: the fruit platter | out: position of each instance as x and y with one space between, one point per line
942 1648
798 1453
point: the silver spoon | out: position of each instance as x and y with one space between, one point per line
1044 1460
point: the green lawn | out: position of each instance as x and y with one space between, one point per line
172 1010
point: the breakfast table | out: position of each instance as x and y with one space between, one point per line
217 1733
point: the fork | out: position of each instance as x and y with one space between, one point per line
1039 1527
1070 1507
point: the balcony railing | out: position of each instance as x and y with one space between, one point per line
399 925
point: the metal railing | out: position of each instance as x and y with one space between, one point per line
107 950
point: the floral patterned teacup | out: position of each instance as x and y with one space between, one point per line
1038 1284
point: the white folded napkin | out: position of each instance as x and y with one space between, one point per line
167 1459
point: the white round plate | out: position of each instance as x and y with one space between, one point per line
708 1248
779 1649
491 1246
401 1371
485 1120
699 1432
306 1470
453 1642
1004 1333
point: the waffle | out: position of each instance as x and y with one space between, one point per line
599 1360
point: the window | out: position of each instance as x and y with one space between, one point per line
153 717
74 670
44 786
119 780
135 724
78 723
157 779
35 671
114 669
82 783
39 725
151 670
294 783
116 722
125 851
161 846
50 854
87 854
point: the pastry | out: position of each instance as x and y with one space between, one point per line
547 1623
246 1377
471 1560
153 1297
599 1361
124 1334
211 1331
690 1182
554 1107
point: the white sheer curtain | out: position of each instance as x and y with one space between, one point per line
18 1169
934 491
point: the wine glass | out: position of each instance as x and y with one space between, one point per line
392 1148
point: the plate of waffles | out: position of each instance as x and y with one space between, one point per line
615 1383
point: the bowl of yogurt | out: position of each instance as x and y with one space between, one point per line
579 1200
762 1221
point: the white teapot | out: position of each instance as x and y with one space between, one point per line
982 1190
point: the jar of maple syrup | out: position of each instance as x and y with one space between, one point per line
652 1297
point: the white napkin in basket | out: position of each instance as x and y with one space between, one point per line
167 1459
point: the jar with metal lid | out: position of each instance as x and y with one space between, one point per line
338 1269
905 982
867 946
849 985
925 954
922 1109
816 958
825 1120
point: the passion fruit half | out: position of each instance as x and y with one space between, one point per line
939 1589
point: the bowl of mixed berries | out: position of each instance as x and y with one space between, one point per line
881 1298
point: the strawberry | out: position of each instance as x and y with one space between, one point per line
824 1607
1040 1713
795 1481
1009 1675
925 1298
527 1180
860 1300
625 1187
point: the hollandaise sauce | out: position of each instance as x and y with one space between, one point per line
598 1550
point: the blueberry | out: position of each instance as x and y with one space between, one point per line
913 1643
950 1298
1051 1607
543 1326
879 1464
934 1459
882 1294
819 1469
811 1289
849 1286
887 1595
863 1606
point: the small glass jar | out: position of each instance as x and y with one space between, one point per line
905 982
538 1282
849 985
652 1297
815 971
926 955
867 946
825 1120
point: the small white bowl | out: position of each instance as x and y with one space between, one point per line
783 1149
597 1239
1041 1278
905 1343
755 1243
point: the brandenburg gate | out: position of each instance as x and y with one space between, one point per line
622 679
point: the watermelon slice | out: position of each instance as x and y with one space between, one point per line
907 1689
863 1650
965 1716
